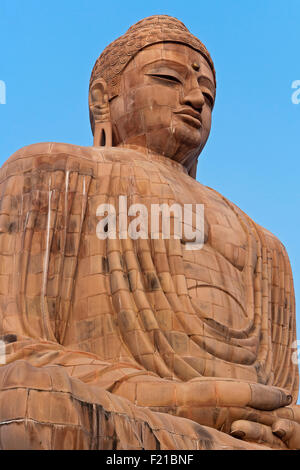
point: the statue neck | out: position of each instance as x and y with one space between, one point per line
155 156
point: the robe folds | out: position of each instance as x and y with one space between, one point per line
109 310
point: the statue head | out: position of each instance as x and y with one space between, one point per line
155 87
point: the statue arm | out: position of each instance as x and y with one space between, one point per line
283 355
43 201
283 316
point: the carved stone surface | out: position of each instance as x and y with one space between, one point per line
140 343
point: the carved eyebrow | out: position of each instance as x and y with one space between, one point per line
182 69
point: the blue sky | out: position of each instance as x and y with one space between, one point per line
252 157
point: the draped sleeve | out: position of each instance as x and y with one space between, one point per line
43 202
282 313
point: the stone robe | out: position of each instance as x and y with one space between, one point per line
108 310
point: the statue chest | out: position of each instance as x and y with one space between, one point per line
216 273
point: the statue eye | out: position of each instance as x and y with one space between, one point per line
163 76
209 98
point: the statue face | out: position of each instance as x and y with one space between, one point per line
165 102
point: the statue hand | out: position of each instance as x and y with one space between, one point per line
233 393
283 432
189 399
219 403
246 410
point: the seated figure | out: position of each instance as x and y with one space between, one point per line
122 343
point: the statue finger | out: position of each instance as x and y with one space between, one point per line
288 431
291 412
257 396
256 432
268 398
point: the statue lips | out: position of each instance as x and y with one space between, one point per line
190 116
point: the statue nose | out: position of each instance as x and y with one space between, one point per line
195 99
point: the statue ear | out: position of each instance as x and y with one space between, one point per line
99 107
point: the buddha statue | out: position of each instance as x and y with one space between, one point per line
140 343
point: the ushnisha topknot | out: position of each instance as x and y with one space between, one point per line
151 30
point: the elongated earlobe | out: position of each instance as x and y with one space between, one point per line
99 106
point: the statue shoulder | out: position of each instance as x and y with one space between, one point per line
51 149
54 156
272 241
